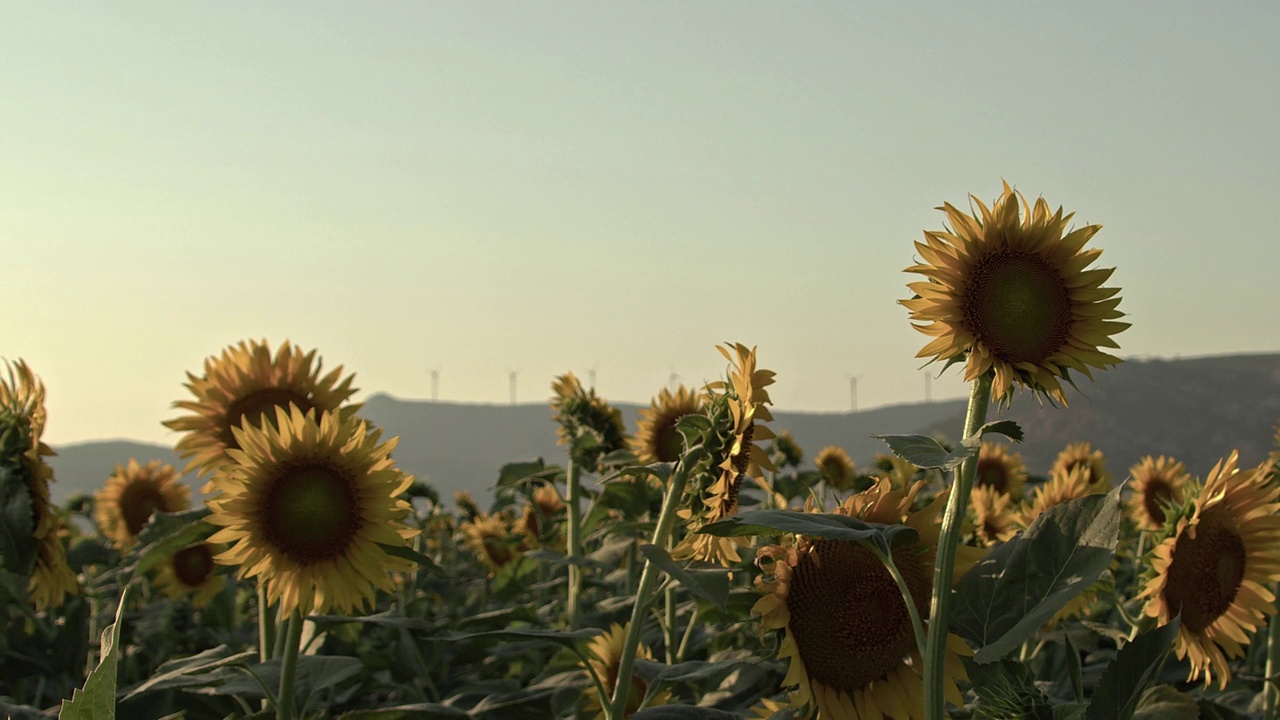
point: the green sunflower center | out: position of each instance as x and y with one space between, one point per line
1206 571
138 501
193 565
260 406
310 512
848 618
1017 305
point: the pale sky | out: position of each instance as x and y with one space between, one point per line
485 187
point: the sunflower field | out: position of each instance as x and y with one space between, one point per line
696 566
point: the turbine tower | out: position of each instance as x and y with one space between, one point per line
591 376
673 379
513 374
853 391
435 384
928 386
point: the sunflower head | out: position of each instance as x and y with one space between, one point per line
900 472
307 505
466 504
604 655
540 516
1000 470
846 628
1092 463
995 514
125 504
837 467
1156 484
657 439
1062 485
787 451
1217 559
244 386
491 540
191 574
1007 292
583 413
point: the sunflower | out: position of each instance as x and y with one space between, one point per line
466 504
539 516
1215 566
1061 487
244 385
767 708
22 454
604 654
490 539
657 439
995 514
1157 483
581 412
1000 470
191 573
845 625
836 467
1009 291
125 504
787 451
1083 455
745 396
309 506
899 471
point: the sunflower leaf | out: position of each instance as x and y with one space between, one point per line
825 525
407 553
1007 689
1019 586
189 671
683 712
417 711
564 638
1163 702
1137 665
97 700
516 473
17 540
926 452
165 534
1008 428
711 585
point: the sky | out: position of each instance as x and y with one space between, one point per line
487 187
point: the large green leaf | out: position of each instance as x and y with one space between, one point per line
97 700
711 585
417 711
826 525
1162 702
564 638
17 537
408 553
165 534
517 473
1007 689
191 671
926 452
1136 666
1019 586
683 712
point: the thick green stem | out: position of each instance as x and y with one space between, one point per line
574 543
669 638
266 624
916 625
288 666
648 578
1271 691
935 703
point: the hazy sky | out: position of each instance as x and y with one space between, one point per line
544 187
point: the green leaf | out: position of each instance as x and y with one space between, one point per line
1006 689
517 472
407 553
418 711
389 618
1163 702
565 638
1008 428
923 451
190 671
1126 679
826 525
1073 666
1010 594
97 700
18 544
165 534
689 671
710 585
683 712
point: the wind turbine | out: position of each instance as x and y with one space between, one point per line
591 376
853 391
673 379
435 384
928 386
513 374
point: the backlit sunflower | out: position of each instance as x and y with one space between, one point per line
745 395
1008 291
1216 565
125 504
657 439
1083 455
307 508
191 573
579 412
1000 470
1060 487
846 628
1156 483
836 467
490 539
604 653
995 514
899 471
22 454
540 517
245 384
787 451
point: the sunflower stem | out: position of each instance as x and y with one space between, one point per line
1271 691
288 667
916 626
648 578
669 630
266 625
935 701
573 543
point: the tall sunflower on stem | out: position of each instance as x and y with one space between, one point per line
125 504
657 439
1006 292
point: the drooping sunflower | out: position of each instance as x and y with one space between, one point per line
491 540
995 514
1000 470
22 454
307 508
788 451
846 628
124 505
1008 292
1156 484
837 467
604 654
580 411
657 439
744 457
1216 565
540 516
1093 462
466 504
191 573
244 385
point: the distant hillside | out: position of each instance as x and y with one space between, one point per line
1195 409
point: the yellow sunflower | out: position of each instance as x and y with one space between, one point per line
22 454
1157 483
837 467
580 411
1008 290
244 385
1000 470
788 451
766 708
898 471
1216 567
466 504
846 628
490 539
604 653
657 439
1060 487
1082 455
539 516
745 457
191 573
308 507
995 514
125 504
